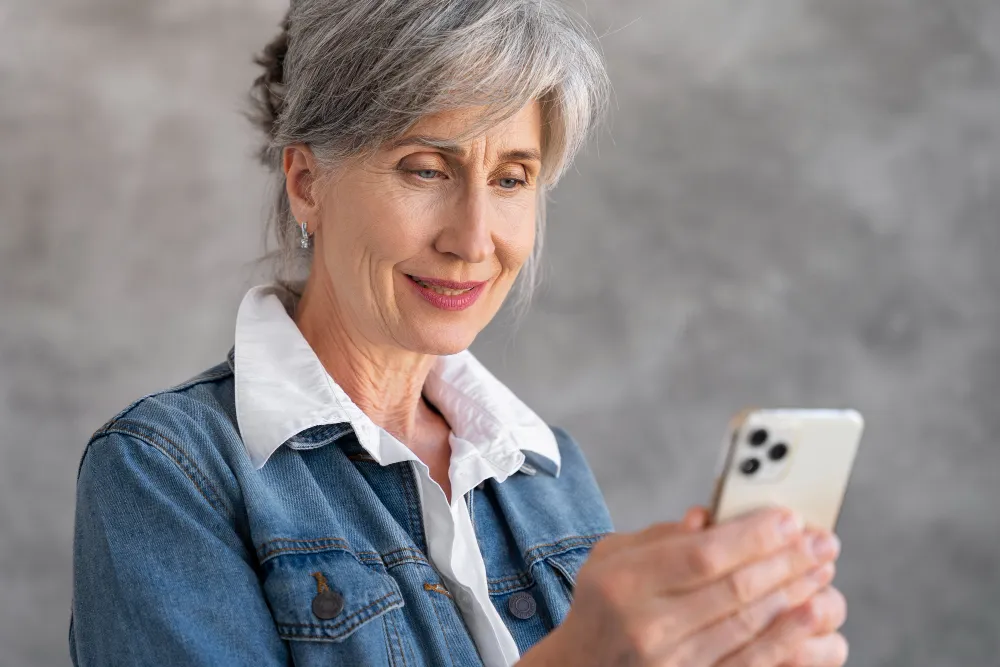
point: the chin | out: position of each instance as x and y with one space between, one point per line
443 341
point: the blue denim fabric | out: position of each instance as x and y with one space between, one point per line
186 555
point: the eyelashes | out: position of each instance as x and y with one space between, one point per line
508 183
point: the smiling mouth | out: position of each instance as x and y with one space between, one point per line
441 289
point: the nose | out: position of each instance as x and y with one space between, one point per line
468 233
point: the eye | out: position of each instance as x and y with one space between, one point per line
511 183
426 174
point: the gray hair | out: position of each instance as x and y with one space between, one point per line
346 76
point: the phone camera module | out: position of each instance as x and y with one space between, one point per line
750 466
757 437
778 452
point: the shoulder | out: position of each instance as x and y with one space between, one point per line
188 430
576 484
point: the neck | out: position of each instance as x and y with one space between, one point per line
384 381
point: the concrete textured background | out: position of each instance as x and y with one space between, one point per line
797 203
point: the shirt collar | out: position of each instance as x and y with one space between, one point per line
283 393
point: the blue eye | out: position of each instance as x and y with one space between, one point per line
427 173
510 183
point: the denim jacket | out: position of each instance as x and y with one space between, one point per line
185 554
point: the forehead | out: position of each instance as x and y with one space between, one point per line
521 130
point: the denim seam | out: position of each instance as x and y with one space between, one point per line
413 515
414 556
388 641
269 550
444 631
565 544
335 544
399 641
183 386
564 571
525 582
180 459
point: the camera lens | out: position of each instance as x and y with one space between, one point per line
750 466
778 452
758 437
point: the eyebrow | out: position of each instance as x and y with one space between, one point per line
450 147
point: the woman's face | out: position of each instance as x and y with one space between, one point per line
390 227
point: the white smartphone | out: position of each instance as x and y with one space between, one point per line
799 459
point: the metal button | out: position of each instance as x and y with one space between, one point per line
327 604
522 605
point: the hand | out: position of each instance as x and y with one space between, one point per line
749 592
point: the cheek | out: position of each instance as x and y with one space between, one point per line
375 226
517 238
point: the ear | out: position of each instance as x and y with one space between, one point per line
301 179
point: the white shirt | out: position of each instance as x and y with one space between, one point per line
282 389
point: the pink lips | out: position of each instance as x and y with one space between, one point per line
446 301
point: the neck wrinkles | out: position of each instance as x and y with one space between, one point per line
385 382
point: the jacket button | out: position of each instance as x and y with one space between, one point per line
327 604
522 605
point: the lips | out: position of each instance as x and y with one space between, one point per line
447 294
446 284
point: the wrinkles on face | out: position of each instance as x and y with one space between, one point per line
423 206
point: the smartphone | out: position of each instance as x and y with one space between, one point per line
799 459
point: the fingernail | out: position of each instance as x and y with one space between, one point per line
825 546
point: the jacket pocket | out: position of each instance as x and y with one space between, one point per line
556 571
332 608
568 565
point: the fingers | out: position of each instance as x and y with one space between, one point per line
783 641
752 582
691 559
831 608
724 637
826 651
696 518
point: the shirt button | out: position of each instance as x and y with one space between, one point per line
522 605
327 604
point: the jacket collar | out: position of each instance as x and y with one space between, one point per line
285 396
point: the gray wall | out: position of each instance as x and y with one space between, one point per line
797 203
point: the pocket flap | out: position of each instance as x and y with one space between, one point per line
351 594
568 563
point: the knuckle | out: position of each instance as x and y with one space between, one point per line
766 656
745 622
810 615
762 534
742 586
613 586
643 640
705 559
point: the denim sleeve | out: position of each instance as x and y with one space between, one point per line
160 573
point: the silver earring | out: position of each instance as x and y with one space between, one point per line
304 240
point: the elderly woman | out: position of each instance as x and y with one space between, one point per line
350 486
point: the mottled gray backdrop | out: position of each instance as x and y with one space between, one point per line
797 202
